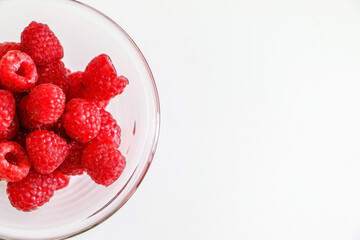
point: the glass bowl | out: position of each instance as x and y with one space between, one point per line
85 33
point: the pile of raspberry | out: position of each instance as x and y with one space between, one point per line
53 122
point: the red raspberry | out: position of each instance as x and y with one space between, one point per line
102 104
26 120
54 73
72 164
17 71
76 88
8 46
81 120
101 81
7 109
14 163
109 132
74 85
46 103
32 192
41 44
103 163
11 131
61 180
46 150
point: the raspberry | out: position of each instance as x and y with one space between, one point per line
14 163
101 81
103 163
46 150
46 103
26 120
109 131
102 104
54 73
72 164
60 180
81 120
17 71
41 44
7 109
32 192
76 88
74 85
11 131
8 46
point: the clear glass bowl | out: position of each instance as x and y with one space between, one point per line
85 33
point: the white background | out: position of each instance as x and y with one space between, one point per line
260 134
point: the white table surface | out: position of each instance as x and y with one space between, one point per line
260 135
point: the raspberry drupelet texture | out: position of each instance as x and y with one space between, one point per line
54 73
46 103
72 164
17 71
102 104
101 81
81 120
7 109
14 163
61 181
103 163
11 131
8 46
109 132
41 44
75 89
33 191
26 121
46 150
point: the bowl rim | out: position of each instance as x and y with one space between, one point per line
154 135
